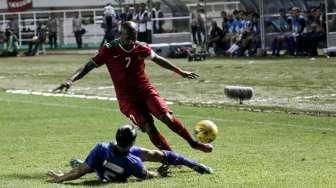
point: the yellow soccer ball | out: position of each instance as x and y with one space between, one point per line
206 131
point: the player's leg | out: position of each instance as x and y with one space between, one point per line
176 125
171 158
160 110
141 118
155 136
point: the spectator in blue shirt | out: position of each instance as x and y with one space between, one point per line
281 25
294 41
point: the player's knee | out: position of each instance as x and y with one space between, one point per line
158 155
149 128
167 118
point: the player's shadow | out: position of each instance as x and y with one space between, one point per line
31 176
83 181
91 183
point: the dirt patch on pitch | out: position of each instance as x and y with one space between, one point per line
301 105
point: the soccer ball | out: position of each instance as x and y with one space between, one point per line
206 131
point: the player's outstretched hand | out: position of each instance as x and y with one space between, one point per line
54 177
189 75
163 170
64 87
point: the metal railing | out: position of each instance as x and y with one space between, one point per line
26 23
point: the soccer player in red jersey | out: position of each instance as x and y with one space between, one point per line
137 97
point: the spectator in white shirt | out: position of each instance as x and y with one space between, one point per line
77 29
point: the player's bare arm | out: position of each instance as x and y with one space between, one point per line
75 173
163 62
79 74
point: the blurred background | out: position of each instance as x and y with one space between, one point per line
256 26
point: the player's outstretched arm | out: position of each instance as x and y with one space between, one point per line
163 62
75 173
80 73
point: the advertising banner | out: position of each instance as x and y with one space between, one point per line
19 5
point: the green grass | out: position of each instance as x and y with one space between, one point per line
272 149
252 149
277 82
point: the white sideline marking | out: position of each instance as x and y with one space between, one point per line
89 88
226 120
27 92
261 123
299 98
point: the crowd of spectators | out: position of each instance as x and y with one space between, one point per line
299 32
48 31
295 31
237 35
141 14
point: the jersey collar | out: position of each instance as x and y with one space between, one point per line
127 51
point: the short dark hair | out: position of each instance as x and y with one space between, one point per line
130 27
126 136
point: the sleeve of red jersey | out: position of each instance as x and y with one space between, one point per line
149 52
101 57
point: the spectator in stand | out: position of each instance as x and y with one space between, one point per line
149 26
226 22
216 39
313 38
201 33
236 25
143 19
13 25
254 30
2 39
294 41
196 36
281 26
110 24
157 13
52 26
11 43
78 30
126 15
226 25
319 17
37 41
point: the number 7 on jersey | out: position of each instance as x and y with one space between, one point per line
128 61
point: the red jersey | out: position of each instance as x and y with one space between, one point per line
126 68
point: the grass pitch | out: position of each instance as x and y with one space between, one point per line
288 83
252 149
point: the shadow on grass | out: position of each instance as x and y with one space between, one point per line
31 176
85 181
91 183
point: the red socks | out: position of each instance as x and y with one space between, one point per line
177 126
159 141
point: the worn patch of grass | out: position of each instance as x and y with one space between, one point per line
277 82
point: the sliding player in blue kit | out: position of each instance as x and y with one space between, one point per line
117 161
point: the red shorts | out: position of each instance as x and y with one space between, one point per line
141 109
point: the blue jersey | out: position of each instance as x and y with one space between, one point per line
110 167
